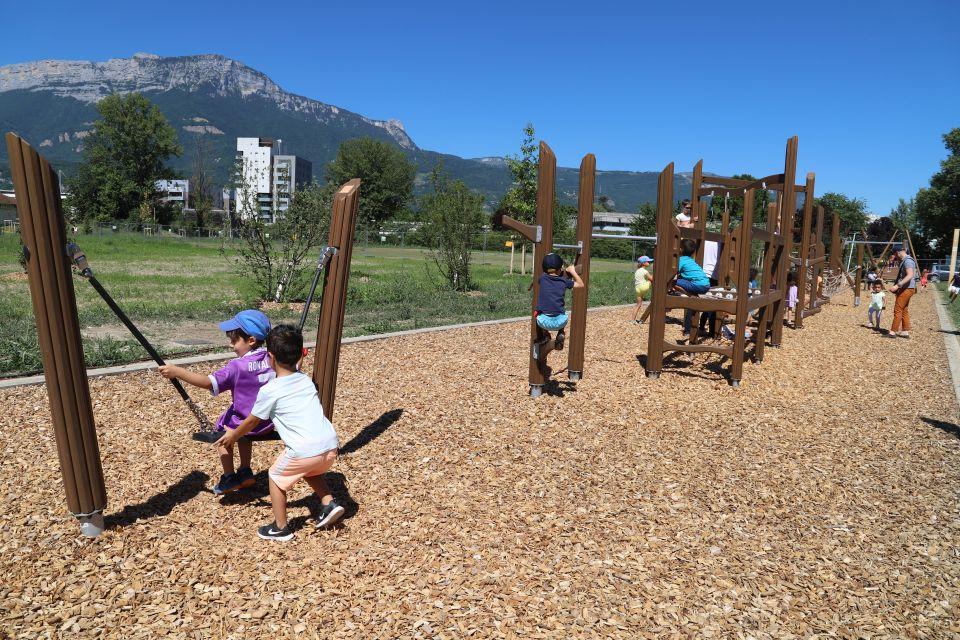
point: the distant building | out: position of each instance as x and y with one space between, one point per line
8 207
268 180
289 174
254 159
177 191
613 222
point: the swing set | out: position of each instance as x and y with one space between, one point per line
49 256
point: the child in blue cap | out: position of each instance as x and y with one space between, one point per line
243 376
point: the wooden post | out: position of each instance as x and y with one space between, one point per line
546 192
513 246
665 265
859 277
835 245
343 221
953 255
578 319
523 258
788 201
43 232
743 289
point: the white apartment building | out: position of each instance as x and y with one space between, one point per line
268 180
174 191
289 173
255 164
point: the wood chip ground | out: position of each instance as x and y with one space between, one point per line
819 500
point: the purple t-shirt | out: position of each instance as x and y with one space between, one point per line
243 377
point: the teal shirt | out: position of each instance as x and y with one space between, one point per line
688 268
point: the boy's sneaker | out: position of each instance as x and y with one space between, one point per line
220 488
330 514
245 477
228 482
559 340
272 532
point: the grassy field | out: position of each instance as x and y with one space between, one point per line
171 286
952 309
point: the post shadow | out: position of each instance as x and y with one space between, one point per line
371 432
947 427
161 504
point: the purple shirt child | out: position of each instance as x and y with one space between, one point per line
243 377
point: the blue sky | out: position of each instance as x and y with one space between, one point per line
869 87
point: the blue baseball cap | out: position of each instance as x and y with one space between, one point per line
644 260
252 322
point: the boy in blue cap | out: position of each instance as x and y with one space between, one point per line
243 376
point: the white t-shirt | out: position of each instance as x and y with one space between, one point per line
711 252
293 405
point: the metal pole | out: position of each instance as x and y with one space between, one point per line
953 255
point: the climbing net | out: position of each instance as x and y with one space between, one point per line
833 282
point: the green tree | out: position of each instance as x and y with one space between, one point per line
273 256
938 206
734 204
521 198
852 211
201 180
385 172
453 219
123 158
645 224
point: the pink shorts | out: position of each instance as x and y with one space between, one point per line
287 470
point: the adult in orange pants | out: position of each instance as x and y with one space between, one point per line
904 288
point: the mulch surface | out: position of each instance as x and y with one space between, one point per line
818 500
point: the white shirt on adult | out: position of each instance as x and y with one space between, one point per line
711 254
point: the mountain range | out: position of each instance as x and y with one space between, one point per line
52 104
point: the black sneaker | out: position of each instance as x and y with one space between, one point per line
271 532
229 482
330 513
225 480
245 477
559 340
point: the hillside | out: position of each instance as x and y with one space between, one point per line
52 105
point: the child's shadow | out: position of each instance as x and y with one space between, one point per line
261 490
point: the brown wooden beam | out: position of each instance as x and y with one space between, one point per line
43 233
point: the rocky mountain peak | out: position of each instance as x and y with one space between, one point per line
211 74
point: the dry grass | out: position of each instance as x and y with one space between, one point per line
820 499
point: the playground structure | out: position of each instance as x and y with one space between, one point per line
734 260
540 234
49 254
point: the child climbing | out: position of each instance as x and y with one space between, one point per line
290 400
642 280
691 278
954 288
876 304
551 311
753 282
243 377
